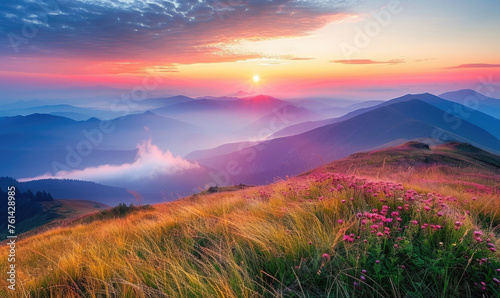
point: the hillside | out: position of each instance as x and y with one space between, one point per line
66 189
55 213
421 234
64 110
395 123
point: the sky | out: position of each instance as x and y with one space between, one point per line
150 163
340 48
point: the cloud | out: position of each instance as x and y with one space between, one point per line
150 163
367 61
474 65
164 31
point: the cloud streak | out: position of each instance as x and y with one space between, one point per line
474 65
367 61
150 163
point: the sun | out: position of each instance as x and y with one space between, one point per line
256 78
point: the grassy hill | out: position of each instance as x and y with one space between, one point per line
408 221
60 211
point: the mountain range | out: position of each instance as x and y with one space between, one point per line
250 140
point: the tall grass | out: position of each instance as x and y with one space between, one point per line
306 237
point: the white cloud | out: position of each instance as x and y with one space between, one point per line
150 163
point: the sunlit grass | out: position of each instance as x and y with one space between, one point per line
305 237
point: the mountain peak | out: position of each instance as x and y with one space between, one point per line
415 145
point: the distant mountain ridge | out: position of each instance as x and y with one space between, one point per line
449 109
36 207
81 113
400 121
